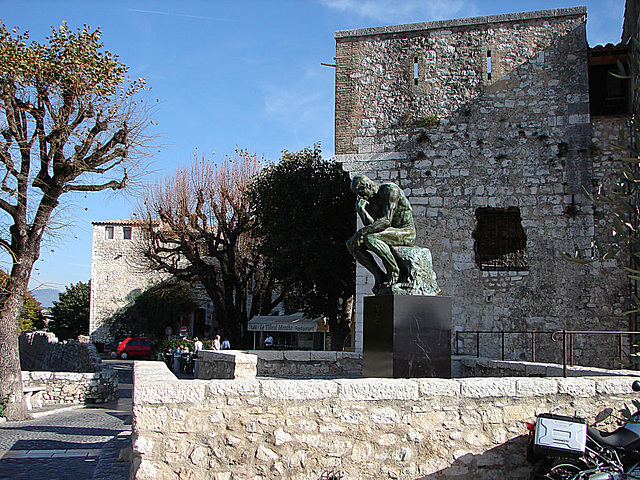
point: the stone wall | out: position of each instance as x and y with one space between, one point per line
67 388
42 351
277 363
415 105
226 364
274 363
366 429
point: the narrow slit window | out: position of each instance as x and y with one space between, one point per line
488 64
415 70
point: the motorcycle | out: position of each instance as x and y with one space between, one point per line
566 448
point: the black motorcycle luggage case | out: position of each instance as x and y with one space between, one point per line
560 436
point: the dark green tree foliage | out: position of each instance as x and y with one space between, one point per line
305 212
71 312
31 317
153 310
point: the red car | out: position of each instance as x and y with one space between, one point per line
134 347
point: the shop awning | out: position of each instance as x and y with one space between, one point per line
286 323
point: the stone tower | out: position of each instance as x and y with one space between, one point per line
485 124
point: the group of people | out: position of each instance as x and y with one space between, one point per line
216 345
187 358
183 350
183 355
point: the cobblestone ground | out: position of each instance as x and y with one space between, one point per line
71 444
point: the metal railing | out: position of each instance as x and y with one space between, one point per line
567 337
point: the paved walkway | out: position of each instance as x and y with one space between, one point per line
71 443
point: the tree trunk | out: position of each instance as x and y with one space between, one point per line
11 303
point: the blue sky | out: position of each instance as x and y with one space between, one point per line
237 72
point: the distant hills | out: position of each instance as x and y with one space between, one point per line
46 296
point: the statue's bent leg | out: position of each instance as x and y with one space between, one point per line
382 249
362 256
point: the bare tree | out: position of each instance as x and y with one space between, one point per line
69 122
199 223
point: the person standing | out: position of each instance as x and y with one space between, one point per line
197 346
225 345
216 343
268 342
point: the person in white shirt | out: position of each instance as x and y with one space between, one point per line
197 345
268 342
216 343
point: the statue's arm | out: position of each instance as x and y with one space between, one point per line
390 202
361 208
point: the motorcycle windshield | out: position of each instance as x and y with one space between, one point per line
634 427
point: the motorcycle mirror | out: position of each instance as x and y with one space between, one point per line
635 386
603 415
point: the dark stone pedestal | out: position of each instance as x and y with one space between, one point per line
407 336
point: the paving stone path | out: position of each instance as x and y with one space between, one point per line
71 443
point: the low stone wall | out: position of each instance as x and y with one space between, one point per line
74 388
360 428
278 363
42 351
225 364
309 363
484 367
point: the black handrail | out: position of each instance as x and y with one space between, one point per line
502 334
566 335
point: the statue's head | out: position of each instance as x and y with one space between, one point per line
363 186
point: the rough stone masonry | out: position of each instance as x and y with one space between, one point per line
362 428
484 123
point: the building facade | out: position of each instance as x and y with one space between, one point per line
119 274
485 124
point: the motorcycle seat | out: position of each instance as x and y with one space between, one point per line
620 438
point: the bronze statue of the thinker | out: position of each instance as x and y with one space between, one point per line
388 223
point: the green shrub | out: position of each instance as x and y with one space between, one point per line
3 405
427 122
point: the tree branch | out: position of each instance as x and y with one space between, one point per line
99 156
113 184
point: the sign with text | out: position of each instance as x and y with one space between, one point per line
283 327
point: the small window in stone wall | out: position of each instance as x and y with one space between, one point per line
490 65
608 94
108 232
126 233
500 240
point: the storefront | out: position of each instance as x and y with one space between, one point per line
289 332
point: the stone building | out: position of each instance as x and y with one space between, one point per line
118 275
489 126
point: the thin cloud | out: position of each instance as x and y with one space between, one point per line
79 265
186 15
292 104
404 11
